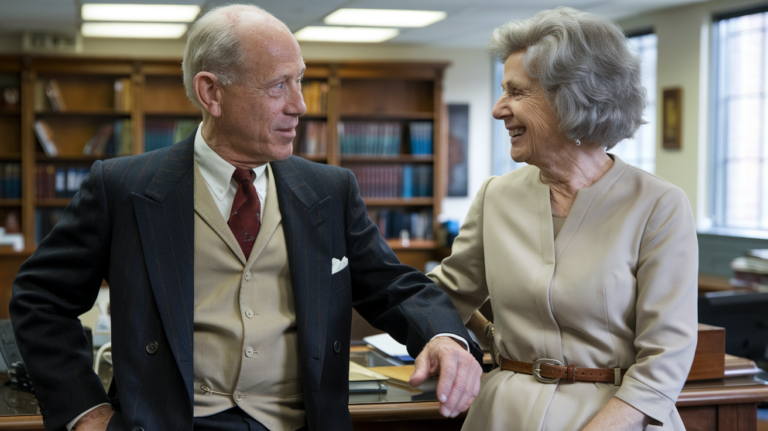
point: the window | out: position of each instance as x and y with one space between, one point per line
639 151
739 189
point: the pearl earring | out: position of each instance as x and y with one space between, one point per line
578 142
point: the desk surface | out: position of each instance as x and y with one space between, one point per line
19 410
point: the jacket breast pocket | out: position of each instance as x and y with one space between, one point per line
340 279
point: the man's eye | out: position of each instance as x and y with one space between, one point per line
280 86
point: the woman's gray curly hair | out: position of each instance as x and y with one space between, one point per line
589 75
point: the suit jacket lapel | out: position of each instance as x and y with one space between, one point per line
206 208
165 216
309 244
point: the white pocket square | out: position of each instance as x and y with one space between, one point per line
337 265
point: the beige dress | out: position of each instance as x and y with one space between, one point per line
616 289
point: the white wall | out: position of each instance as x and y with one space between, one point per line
683 41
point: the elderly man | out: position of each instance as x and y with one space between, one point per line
233 268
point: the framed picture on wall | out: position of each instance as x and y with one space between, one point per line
672 118
458 141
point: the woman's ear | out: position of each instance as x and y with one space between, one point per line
208 92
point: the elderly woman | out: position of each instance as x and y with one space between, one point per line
590 264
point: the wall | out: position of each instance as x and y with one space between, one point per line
684 61
683 41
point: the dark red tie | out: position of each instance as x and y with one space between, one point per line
245 218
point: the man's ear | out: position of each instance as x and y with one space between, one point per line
208 92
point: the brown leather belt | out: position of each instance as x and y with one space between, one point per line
552 370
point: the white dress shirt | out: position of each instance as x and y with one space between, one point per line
217 173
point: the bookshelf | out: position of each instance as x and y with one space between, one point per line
141 105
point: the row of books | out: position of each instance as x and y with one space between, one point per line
420 137
752 268
370 138
53 181
315 140
164 133
398 181
315 95
47 95
10 180
45 220
391 223
110 139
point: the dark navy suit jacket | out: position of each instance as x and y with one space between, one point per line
132 223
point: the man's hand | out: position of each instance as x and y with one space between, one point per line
459 374
95 420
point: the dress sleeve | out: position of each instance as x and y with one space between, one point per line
666 309
462 274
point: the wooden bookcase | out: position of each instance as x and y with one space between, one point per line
352 92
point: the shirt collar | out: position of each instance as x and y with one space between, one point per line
216 171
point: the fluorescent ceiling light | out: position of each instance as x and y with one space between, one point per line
345 34
139 12
133 30
385 17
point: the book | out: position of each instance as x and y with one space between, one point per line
53 92
45 136
363 380
123 97
98 143
40 102
401 376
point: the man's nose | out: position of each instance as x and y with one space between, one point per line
295 105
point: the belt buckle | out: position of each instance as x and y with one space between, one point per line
537 370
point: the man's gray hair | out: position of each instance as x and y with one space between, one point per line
213 46
589 75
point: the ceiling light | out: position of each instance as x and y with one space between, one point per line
345 34
385 17
139 12
133 30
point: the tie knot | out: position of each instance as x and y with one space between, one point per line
241 175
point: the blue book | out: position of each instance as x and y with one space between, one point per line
407 181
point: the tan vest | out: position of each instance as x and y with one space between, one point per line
245 345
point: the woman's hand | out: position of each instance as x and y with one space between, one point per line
618 416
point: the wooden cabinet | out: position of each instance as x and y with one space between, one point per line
362 116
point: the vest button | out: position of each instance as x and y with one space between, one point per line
152 347
249 352
247 275
337 346
249 313
238 396
137 429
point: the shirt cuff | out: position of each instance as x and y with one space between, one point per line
72 423
455 337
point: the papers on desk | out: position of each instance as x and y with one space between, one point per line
389 346
402 375
364 380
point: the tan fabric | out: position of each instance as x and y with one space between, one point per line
245 323
557 225
616 289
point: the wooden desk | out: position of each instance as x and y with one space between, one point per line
728 404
